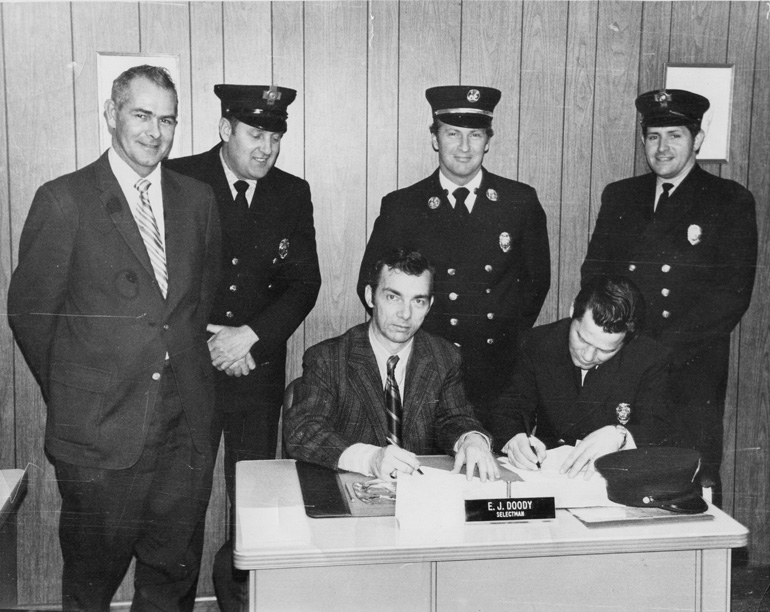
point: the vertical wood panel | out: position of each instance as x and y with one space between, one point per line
336 38
491 56
288 45
206 70
7 257
429 55
542 119
573 231
752 474
165 28
97 27
656 34
247 42
382 106
742 39
617 65
41 137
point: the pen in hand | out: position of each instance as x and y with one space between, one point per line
529 439
418 470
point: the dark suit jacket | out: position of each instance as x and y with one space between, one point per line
492 272
92 323
341 401
695 267
546 391
270 274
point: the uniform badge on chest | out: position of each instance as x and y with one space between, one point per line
434 203
491 195
623 412
505 242
283 248
694 233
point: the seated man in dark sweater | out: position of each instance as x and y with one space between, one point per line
591 381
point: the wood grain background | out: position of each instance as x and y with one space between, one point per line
569 73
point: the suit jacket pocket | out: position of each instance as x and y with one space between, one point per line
76 400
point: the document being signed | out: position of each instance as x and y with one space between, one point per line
548 482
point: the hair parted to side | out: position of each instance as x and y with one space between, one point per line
155 74
433 127
404 260
616 304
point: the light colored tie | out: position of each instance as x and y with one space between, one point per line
151 236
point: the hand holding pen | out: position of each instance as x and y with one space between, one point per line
530 442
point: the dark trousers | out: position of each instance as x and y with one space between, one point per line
248 435
154 511
698 390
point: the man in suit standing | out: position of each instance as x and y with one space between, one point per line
689 241
485 234
383 392
590 380
270 280
118 264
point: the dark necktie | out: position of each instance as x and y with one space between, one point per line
660 209
241 205
393 403
461 210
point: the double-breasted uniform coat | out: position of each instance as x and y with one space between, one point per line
492 271
695 266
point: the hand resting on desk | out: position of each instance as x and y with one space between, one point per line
473 451
392 458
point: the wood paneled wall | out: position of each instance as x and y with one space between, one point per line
569 72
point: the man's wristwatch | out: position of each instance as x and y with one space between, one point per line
624 432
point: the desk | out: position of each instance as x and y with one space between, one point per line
13 486
340 564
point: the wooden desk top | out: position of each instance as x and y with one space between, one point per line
272 531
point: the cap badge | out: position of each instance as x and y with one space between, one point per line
474 95
271 95
694 233
505 242
663 98
623 411
491 195
283 248
434 203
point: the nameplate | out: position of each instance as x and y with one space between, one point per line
510 509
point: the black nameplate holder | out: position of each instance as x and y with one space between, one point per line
510 509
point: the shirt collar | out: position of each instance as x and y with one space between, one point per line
127 176
231 176
471 186
382 355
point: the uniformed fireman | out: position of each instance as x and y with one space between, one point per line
270 280
688 239
486 236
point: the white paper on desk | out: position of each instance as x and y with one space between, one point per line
435 499
567 492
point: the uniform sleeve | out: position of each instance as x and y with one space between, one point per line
537 262
302 278
385 235
517 405
39 284
652 420
597 257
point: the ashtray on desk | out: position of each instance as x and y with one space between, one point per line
375 491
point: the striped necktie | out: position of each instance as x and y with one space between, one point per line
151 236
393 403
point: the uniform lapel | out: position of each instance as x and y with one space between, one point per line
117 209
364 378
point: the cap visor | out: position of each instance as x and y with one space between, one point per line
269 124
470 120
691 504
